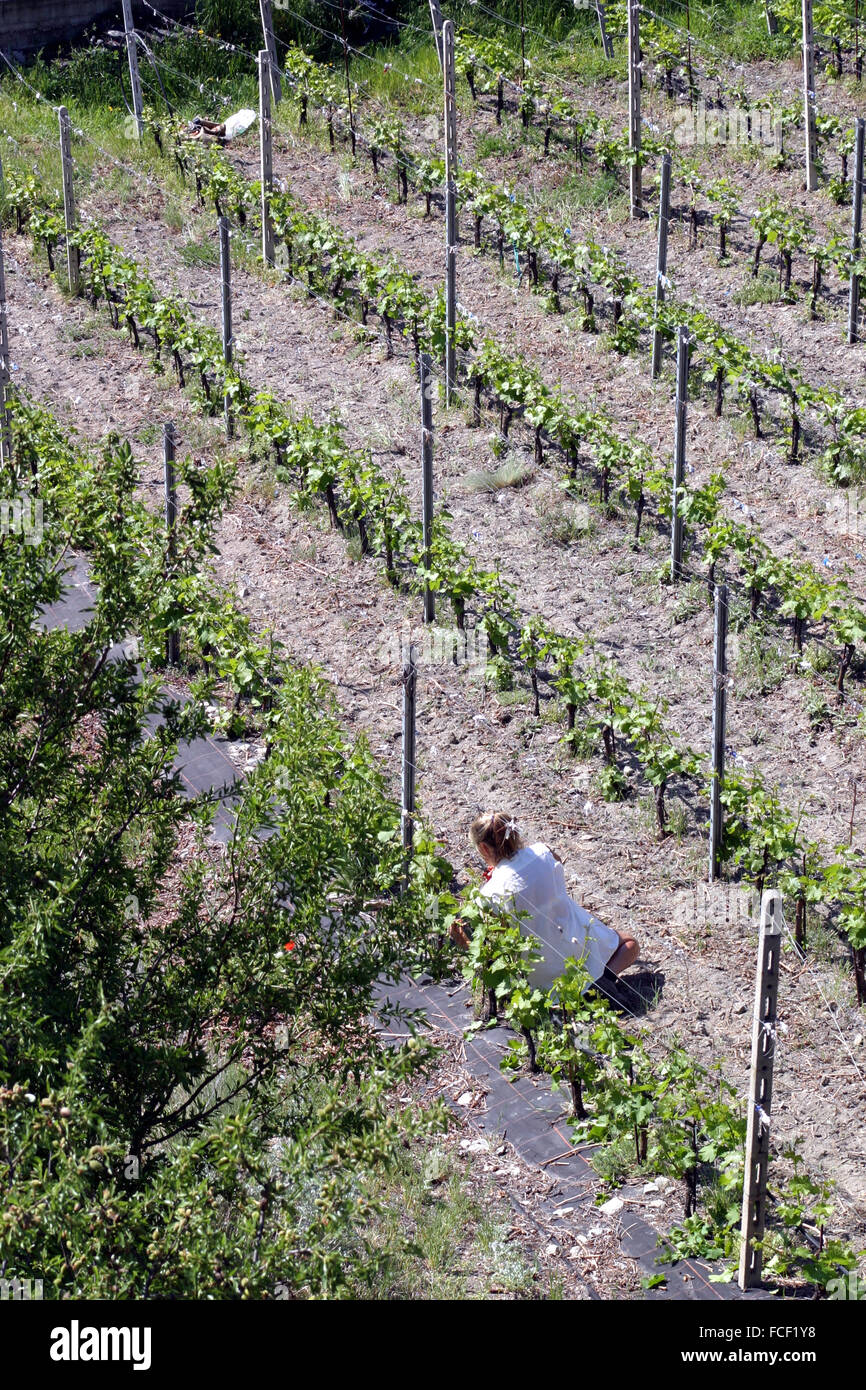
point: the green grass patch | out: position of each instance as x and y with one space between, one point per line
497 143
455 1238
199 252
512 473
762 662
762 288
562 522
614 1162
691 599
592 191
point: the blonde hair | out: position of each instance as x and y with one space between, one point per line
498 833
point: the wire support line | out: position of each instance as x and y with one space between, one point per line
238 48
359 52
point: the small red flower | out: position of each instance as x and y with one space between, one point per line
289 946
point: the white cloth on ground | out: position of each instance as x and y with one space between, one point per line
239 123
533 881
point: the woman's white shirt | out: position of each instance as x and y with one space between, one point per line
533 881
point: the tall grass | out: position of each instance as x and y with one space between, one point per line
95 77
737 28
398 64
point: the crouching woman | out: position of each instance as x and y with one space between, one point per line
531 879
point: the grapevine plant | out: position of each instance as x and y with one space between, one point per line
681 1120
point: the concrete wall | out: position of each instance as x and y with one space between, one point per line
26 25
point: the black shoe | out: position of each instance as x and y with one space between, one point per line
611 990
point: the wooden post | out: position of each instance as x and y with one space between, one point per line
132 59
679 452
72 261
410 674
689 69
348 82
634 127
606 43
267 155
856 228
450 209
5 373
760 1089
436 17
226 298
661 258
271 45
522 46
809 97
720 704
172 646
427 476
